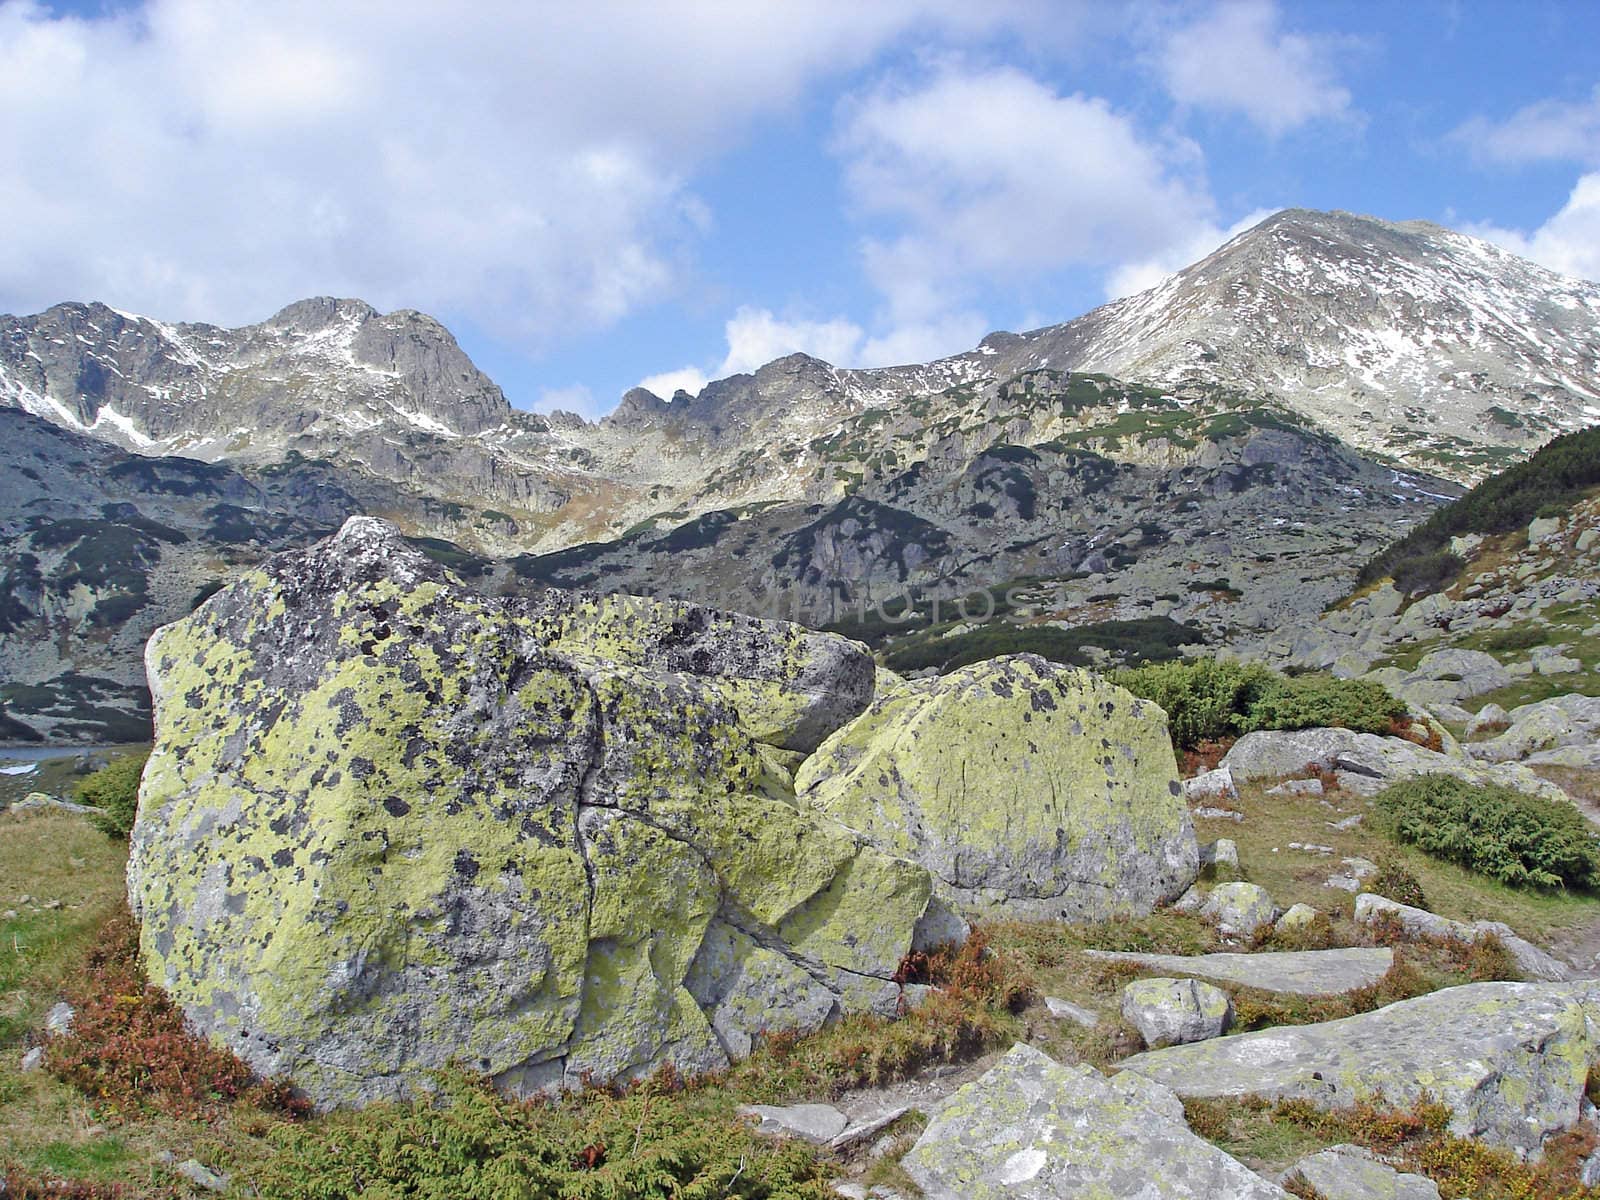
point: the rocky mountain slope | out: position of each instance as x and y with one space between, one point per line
1407 340
1216 455
98 547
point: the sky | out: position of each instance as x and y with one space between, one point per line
594 196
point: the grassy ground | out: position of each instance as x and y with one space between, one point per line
1273 822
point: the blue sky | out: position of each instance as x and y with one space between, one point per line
595 195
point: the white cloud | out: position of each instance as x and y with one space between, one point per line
755 337
989 177
1236 59
688 379
524 167
1139 274
1569 242
1561 130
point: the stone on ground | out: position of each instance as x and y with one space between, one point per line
1532 962
1032 1129
1168 1012
1211 785
1355 1173
1560 722
1295 917
1026 788
1365 763
1239 909
391 824
1290 972
815 1123
1066 1010
1509 1059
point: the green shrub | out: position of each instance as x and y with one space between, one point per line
1427 572
1316 701
1207 700
472 1144
114 790
1522 637
1520 840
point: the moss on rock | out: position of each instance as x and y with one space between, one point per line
390 824
1026 788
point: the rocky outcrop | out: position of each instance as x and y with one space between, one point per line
1025 788
1509 1059
1532 962
1297 972
1032 1129
1534 730
389 824
1365 763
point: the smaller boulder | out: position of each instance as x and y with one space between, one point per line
1220 858
1354 1173
1299 916
1239 909
58 1021
1066 1010
1169 1012
1032 1129
1297 787
818 1124
1211 785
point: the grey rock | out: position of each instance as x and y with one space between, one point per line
1168 1012
1211 785
58 1020
201 1176
1509 1059
32 1060
861 1130
1239 909
1557 664
1531 961
1489 718
1032 1129
1561 721
1294 972
818 1124
1347 823
1223 852
1366 763
1589 1174
1066 1010
1297 787
1355 1173
1217 814
1297 916
39 801
1542 529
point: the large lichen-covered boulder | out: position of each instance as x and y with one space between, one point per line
1033 1129
790 686
1028 789
1510 1059
390 824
